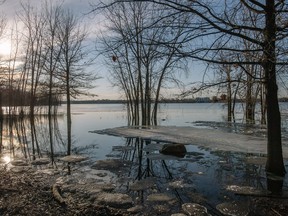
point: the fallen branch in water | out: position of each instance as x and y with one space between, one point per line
56 194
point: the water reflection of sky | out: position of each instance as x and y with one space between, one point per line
206 174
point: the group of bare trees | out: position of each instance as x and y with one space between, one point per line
246 38
140 65
147 42
47 62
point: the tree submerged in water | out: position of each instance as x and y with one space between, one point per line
215 28
141 67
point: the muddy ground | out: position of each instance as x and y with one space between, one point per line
30 193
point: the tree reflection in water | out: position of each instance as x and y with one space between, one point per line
26 137
201 176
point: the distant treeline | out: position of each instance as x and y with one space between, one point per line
17 97
193 100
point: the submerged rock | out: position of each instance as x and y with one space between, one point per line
246 190
19 163
135 209
159 197
73 158
233 209
178 150
40 161
195 209
116 200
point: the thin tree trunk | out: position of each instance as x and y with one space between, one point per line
69 121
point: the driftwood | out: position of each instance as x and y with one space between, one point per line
56 194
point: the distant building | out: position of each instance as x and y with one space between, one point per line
202 100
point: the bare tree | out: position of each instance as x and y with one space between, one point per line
72 36
140 63
218 20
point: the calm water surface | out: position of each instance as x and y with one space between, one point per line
202 175
87 117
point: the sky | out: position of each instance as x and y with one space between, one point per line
103 88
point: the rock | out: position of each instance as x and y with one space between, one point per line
246 190
195 209
40 161
116 200
73 158
135 209
233 209
19 163
178 150
159 197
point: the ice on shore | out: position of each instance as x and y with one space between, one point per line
208 138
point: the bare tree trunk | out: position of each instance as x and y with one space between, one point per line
275 162
249 114
69 119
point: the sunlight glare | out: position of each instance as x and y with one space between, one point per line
6 159
5 48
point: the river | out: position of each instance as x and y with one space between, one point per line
202 176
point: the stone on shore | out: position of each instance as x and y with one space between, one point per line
40 161
159 197
195 209
116 200
73 158
233 209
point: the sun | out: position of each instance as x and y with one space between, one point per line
5 48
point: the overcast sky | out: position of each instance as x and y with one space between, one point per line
104 88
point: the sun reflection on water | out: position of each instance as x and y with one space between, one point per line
6 159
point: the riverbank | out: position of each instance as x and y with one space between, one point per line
30 192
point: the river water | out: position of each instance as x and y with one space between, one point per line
201 176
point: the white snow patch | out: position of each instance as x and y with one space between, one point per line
208 138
